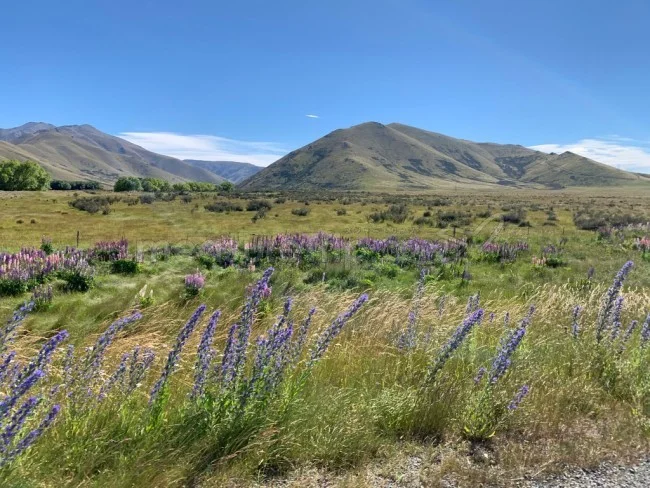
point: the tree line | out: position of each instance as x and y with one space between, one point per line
30 176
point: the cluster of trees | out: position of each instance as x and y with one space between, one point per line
74 185
133 183
30 176
22 176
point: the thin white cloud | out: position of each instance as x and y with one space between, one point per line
312 116
206 147
620 152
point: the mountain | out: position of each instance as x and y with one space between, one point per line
377 157
230 170
81 152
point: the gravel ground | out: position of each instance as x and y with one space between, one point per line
606 476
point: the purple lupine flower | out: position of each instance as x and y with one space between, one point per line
17 422
329 334
610 299
645 331
18 391
172 358
194 283
205 354
116 377
29 439
575 326
516 401
459 335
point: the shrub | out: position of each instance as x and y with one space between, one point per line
301 212
341 211
80 277
147 199
12 287
125 266
397 213
257 205
94 204
221 207
514 216
46 245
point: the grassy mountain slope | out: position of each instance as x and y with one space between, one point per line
231 170
368 156
83 152
378 157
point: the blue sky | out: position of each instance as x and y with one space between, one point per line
225 80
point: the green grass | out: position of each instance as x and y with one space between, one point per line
366 406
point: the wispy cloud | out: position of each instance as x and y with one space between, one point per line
618 151
312 116
206 147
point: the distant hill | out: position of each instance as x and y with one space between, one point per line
376 157
230 170
81 152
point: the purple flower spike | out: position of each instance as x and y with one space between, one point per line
334 330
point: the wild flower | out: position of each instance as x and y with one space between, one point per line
300 337
115 378
174 354
42 297
235 353
205 354
454 342
109 250
334 329
519 397
44 355
509 344
92 362
138 365
575 326
406 340
8 329
194 283
645 331
610 299
29 439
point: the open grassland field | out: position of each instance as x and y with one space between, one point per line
455 339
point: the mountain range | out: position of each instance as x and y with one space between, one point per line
377 157
366 157
81 152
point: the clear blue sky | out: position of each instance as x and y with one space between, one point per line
563 73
